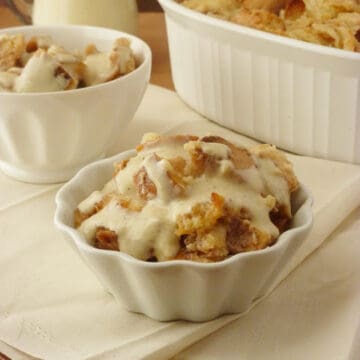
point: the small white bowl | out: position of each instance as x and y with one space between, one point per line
47 137
299 96
179 289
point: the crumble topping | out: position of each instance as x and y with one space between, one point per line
333 23
184 197
40 65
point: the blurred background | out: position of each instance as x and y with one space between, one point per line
144 5
148 5
151 29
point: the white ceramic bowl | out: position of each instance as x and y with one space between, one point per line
179 289
47 137
300 96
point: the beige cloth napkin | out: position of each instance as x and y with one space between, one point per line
313 314
52 306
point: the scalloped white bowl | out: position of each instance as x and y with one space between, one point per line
47 137
179 289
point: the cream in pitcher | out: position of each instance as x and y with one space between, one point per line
117 14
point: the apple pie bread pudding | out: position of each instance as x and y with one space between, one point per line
334 23
184 197
40 65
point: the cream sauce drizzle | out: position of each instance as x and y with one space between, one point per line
153 228
62 56
98 69
274 181
38 75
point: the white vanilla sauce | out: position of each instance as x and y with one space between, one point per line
153 228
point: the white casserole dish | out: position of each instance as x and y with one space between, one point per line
179 289
299 96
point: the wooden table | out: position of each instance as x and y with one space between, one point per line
151 30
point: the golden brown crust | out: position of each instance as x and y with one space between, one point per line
280 160
129 203
294 9
240 235
213 230
90 49
31 45
106 239
202 218
216 226
280 217
270 5
200 161
259 19
120 166
11 49
210 246
240 156
146 189
79 217
176 173
333 23
152 140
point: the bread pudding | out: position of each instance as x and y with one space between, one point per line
40 65
334 23
184 197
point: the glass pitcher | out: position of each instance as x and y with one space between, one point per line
116 14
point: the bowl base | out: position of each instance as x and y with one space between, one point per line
43 176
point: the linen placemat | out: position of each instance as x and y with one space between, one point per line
51 304
313 314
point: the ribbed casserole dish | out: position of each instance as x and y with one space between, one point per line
299 96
